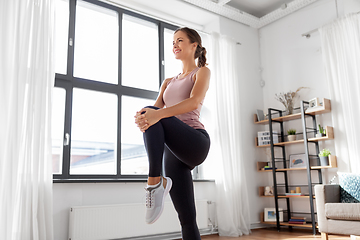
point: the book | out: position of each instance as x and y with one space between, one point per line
302 218
300 223
297 220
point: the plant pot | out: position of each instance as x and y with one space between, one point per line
324 161
319 135
291 138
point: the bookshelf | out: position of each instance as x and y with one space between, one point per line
285 170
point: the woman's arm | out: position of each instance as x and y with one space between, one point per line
158 103
159 100
198 92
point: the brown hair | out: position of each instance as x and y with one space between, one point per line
200 51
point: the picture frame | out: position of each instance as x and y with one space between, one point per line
260 115
270 215
314 103
297 160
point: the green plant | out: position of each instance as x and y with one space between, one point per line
324 153
322 130
291 132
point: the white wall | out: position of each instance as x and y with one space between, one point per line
291 61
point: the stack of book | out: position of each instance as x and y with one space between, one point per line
297 220
267 168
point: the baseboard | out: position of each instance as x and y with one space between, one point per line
168 236
258 225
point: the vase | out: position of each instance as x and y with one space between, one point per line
289 109
324 161
291 137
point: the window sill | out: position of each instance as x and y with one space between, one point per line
110 180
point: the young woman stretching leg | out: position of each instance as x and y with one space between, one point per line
172 130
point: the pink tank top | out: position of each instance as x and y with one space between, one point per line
179 89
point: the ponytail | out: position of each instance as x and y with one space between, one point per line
201 56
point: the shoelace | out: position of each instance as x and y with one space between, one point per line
149 202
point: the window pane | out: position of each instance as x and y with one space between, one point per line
140 54
61 35
94 133
57 128
96 43
172 65
133 154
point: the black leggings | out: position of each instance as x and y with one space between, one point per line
183 148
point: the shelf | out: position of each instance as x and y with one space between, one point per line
329 136
261 194
307 225
332 164
312 111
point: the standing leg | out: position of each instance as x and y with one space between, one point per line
182 195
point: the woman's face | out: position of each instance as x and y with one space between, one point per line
182 47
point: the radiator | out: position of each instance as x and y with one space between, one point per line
126 221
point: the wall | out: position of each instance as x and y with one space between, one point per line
291 61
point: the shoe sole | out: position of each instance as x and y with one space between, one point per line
166 191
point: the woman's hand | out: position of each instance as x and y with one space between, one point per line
146 117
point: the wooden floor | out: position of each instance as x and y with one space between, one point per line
272 233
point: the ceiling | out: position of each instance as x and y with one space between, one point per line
257 8
255 13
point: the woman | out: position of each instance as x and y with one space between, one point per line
172 129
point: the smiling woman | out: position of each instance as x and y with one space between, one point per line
172 128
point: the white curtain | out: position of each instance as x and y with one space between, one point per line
340 42
26 82
232 195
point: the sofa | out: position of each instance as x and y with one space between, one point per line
338 208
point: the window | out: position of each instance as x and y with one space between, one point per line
109 64
96 43
140 53
93 133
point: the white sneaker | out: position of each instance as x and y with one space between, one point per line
155 197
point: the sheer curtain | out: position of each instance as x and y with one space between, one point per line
340 42
232 195
26 82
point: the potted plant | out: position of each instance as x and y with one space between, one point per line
291 134
322 132
288 99
324 157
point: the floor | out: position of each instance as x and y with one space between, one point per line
272 233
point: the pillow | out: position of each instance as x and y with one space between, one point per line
349 187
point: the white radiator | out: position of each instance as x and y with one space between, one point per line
126 220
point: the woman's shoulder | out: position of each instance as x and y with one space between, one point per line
203 71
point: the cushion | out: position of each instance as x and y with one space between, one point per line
343 211
349 187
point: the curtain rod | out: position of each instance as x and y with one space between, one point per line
308 34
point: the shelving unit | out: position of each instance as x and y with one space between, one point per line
307 225
285 170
